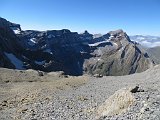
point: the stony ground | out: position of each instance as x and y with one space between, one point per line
52 97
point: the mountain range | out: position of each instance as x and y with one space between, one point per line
62 50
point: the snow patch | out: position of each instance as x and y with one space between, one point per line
97 43
25 57
15 61
121 49
48 51
110 37
82 52
17 31
32 41
115 44
44 46
40 62
50 36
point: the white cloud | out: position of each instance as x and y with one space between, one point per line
150 44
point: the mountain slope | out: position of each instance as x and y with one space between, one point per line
154 54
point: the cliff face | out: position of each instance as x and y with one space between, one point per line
62 50
9 45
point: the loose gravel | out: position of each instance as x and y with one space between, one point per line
81 102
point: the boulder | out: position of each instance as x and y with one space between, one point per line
118 103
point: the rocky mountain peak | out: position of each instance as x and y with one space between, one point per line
117 32
119 36
86 32
9 25
86 36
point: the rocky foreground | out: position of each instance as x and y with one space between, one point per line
29 95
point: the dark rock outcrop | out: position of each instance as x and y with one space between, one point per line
9 45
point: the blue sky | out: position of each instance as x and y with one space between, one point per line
96 16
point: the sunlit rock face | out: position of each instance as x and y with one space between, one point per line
120 56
